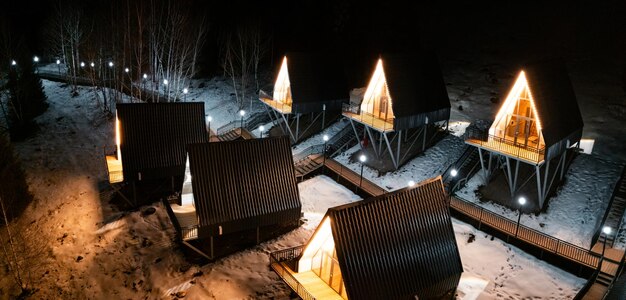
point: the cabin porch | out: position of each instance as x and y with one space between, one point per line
279 106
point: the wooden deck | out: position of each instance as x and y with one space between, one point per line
313 285
187 219
114 168
532 157
371 121
278 106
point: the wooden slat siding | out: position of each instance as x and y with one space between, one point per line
154 136
316 79
397 245
240 185
536 238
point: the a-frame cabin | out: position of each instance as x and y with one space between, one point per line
528 140
150 141
399 245
307 95
404 97
232 188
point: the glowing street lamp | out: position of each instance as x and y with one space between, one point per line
362 159
110 64
82 64
185 91
325 138
606 230
454 172
208 121
145 76
13 62
261 130
242 113
126 70
165 83
36 59
411 183
59 66
92 64
521 201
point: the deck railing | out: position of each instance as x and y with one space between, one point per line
503 145
302 155
276 260
353 111
526 234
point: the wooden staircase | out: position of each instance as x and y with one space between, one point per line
308 165
616 211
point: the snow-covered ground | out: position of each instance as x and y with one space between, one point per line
94 251
574 214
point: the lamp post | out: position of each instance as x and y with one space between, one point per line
454 172
521 202
411 183
606 230
92 64
36 60
59 66
82 64
13 63
325 138
362 159
185 91
242 113
208 121
165 82
261 129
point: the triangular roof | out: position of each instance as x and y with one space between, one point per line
316 77
154 136
415 83
554 98
397 245
240 185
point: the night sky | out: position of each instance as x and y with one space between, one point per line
359 31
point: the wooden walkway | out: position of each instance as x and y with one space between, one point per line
354 178
532 157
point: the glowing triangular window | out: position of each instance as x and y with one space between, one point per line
282 87
517 120
377 100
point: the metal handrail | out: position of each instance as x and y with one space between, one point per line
302 155
276 259
618 273
351 108
527 234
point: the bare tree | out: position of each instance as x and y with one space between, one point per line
241 55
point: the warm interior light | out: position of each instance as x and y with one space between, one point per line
187 191
322 239
117 137
282 87
377 100
507 109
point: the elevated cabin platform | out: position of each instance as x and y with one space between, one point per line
280 107
312 284
378 124
114 169
534 156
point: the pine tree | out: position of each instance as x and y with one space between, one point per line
27 100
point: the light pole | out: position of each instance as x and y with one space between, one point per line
606 230
59 66
521 202
362 159
261 129
143 83
185 91
325 138
242 113
165 82
208 121
36 60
